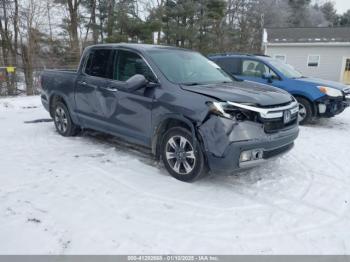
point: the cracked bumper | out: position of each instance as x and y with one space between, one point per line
347 100
329 107
225 140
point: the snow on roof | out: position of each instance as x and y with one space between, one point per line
309 35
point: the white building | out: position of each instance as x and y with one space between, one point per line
316 52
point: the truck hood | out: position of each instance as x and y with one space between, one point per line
321 82
243 92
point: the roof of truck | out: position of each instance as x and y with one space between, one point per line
240 55
140 47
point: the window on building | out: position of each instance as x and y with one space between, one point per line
346 77
281 57
313 61
97 63
347 65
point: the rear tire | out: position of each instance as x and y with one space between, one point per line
63 122
305 111
181 158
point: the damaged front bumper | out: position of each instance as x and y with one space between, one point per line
347 99
329 107
225 140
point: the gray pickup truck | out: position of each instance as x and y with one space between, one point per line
176 102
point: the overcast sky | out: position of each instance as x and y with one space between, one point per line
342 5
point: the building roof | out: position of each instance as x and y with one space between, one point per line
309 35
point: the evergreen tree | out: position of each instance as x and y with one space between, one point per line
299 12
330 13
344 20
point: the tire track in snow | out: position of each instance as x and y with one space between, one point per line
162 198
222 226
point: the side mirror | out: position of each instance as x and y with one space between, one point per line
268 77
136 82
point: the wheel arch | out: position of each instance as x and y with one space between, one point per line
165 124
54 98
61 97
313 104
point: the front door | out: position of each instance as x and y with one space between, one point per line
346 75
253 70
131 115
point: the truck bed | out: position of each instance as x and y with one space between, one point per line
59 81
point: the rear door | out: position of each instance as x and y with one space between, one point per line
90 87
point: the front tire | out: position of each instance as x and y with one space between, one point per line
181 158
63 122
305 111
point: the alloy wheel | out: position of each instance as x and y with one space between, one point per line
180 155
61 119
302 112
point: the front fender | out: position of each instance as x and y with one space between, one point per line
159 126
312 96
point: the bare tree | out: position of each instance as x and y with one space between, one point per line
48 9
72 7
9 38
91 6
93 21
32 16
110 18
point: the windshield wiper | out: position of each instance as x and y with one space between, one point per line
191 84
211 83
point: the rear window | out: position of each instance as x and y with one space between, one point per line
230 65
98 63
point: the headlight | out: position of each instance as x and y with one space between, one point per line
218 108
227 110
330 91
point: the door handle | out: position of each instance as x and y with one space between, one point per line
111 89
83 83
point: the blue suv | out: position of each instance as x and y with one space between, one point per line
316 97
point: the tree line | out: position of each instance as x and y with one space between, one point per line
38 34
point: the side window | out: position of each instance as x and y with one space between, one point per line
129 64
88 63
98 63
254 68
230 65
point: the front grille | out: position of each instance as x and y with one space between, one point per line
271 118
277 106
277 151
275 125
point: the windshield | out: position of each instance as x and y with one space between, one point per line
188 68
286 69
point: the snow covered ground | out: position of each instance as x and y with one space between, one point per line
94 195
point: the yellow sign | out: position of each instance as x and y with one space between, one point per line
10 69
